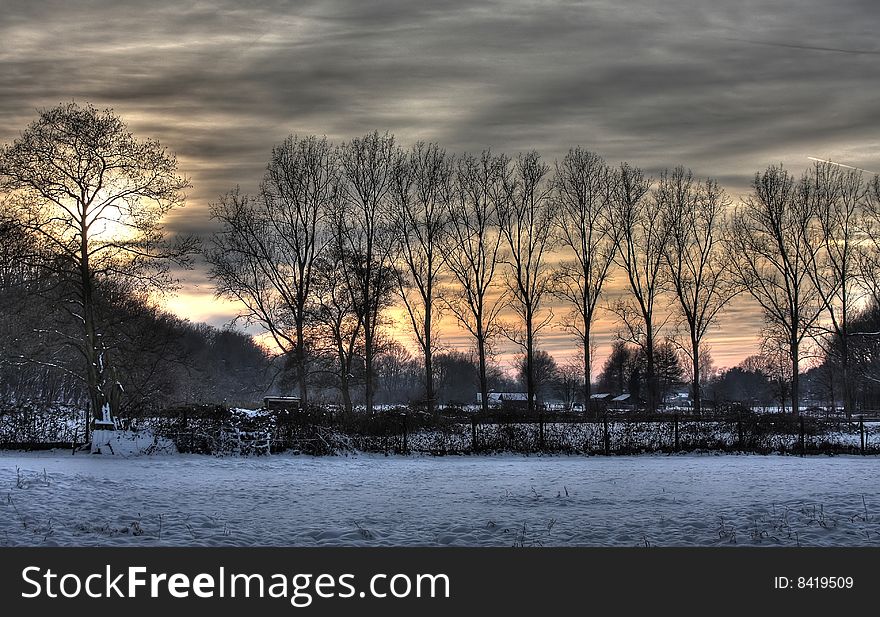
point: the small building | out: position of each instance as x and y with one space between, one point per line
623 401
287 403
599 401
506 400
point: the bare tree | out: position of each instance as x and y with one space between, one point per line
838 198
526 222
265 252
96 196
868 251
583 187
699 269
569 384
771 238
642 253
545 373
363 225
338 320
423 191
472 253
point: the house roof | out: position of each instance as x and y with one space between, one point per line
600 396
505 396
621 398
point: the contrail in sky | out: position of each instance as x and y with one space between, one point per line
840 50
813 158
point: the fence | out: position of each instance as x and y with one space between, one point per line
625 435
318 431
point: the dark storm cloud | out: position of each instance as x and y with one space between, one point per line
723 87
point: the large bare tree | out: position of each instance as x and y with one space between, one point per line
583 187
472 251
265 252
642 252
423 191
364 228
698 263
838 198
773 244
526 222
96 197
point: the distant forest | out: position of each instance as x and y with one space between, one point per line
337 234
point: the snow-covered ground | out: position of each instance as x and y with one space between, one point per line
55 498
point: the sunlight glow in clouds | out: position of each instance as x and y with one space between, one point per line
725 88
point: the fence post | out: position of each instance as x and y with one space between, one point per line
802 440
675 425
861 434
606 440
474 445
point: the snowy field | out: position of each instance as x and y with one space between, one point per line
53 498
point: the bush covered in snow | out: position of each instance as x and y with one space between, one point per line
220 430
28 424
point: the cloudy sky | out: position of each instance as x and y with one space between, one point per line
723 87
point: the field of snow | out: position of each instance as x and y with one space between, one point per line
54 498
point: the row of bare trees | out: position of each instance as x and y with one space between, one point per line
337 234
807 252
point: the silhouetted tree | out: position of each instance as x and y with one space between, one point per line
545 373
698 263
423 192
642 253
618 368
772 239
526 222
338 318
472 254
363 227
583 188
838 200
96 196
264 255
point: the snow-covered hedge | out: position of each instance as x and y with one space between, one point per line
222 431
30 423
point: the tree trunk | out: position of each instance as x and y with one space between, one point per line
530 369
650 378
301 365
95 359
429 368
588 366
484 381
346 396
368 360
696 390
845 373
344 372
795 379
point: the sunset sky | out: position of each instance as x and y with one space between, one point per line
724 88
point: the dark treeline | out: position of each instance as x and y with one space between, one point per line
336 235
159 360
